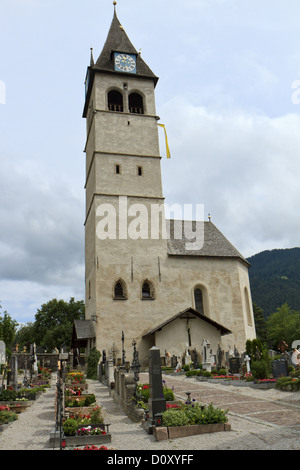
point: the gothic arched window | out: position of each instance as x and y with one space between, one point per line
120 292
147 290
115 101
198 297
136 105
248 309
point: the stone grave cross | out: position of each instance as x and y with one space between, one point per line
247 360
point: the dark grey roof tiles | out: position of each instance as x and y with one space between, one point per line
215 244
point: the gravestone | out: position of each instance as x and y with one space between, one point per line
157 402
187 357
14 371
195 359
2 352
234 365
279 368
220 358
173 361
247 360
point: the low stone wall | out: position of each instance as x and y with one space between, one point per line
164 433
123 393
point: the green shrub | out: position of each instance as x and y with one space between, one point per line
8 395
204 414
168 394
295 373
7 416
249 378
222 372
194 414
145 393
186 367
96 415
260 369
211 414
174 417
29 393
70 427
190 373
285 381
206 373
89 399
92 364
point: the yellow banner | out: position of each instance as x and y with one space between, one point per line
167 145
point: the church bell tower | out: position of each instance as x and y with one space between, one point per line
123 179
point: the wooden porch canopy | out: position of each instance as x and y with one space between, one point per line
83 331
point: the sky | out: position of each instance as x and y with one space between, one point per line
228 94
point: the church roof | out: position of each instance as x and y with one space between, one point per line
214 244
118 41
193 313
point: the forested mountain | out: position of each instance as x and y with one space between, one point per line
275 279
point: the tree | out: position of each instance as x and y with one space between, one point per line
54 322
92 363
260 360
260 323
284 324
25 335
8 329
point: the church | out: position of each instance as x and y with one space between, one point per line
174 284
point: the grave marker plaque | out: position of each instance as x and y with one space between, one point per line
234 365
280 368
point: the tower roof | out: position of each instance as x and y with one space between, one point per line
118 41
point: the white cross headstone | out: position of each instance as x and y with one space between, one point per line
247 359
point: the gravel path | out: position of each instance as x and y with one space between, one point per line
31 431
249 432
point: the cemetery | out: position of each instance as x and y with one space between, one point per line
79 422
156 405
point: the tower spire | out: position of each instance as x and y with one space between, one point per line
92 63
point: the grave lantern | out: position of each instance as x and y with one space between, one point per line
158 419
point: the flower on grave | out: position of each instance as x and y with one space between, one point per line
4 408
169 405
90 431
92 447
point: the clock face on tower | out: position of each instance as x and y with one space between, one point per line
125 62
